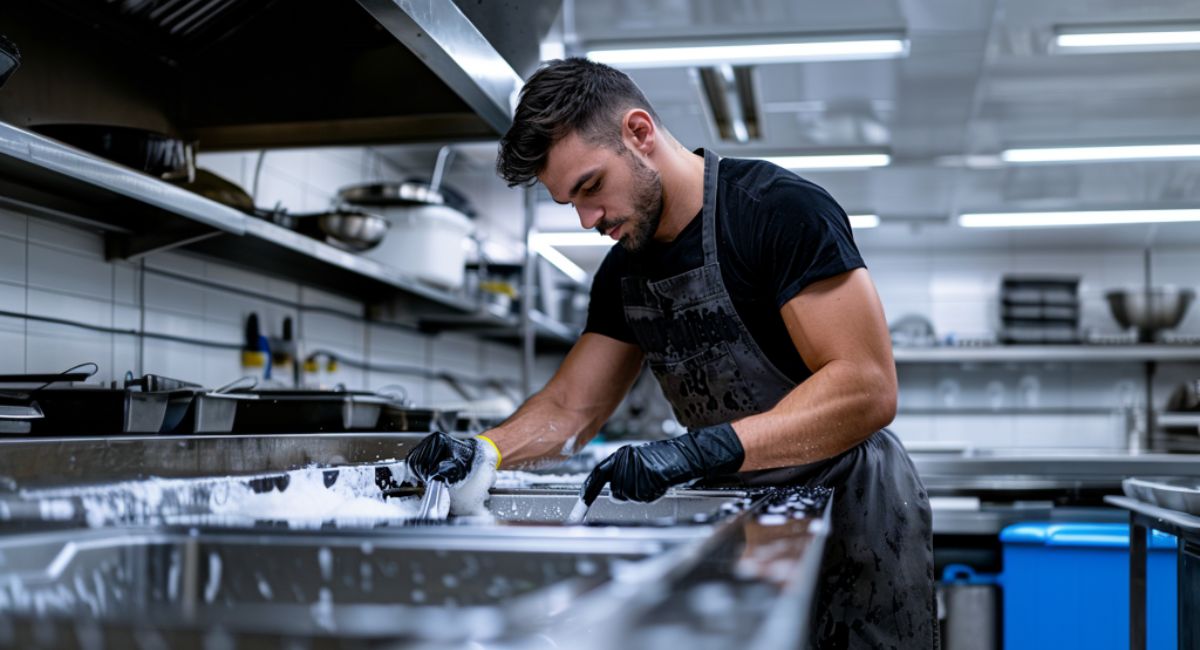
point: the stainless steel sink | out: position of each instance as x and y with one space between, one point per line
164 558
680 507
287 582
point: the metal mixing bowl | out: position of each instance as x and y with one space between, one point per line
358 231
1149 310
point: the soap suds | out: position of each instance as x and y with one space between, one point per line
469 496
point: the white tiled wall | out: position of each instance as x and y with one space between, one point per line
301 180
57 271
973 405
959 291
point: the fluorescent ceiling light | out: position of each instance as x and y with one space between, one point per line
1081 218
1086 154
1128 40
846 161
863 221
751 53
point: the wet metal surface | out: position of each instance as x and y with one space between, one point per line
514 579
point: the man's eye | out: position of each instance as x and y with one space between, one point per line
593 189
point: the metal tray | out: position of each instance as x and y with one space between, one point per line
98 411
1173 493
206 413
403 418
308 412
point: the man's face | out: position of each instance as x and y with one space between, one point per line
613 191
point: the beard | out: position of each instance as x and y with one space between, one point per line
648 207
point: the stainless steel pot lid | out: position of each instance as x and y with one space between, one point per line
390 194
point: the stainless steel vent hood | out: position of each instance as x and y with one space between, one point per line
237 74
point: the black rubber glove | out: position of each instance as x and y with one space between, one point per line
644 472
442 457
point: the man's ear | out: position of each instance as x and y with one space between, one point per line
638 131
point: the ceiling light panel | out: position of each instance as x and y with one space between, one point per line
752 53
1075 218
1100 154
1129 38
832 161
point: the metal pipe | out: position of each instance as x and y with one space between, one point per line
528 339
445 155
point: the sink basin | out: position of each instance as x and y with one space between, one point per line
679 507
164 560
284 582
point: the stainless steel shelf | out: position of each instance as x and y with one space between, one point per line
322 254
1176 419
552 329
1050 353
141 214
503 328
29 157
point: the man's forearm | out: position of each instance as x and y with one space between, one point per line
836 408
544 431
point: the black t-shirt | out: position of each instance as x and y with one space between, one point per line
776 234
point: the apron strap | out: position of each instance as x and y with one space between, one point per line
708 213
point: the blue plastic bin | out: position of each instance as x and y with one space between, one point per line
1067 586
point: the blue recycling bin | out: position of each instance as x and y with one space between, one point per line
1066 586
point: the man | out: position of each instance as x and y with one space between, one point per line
740 285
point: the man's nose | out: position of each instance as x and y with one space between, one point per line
589 216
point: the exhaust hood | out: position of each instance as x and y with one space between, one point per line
241 74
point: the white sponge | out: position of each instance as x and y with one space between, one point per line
468 496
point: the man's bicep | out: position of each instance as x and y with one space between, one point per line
596 373
839 318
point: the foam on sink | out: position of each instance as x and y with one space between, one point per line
302 499
468 496
353 498
509 479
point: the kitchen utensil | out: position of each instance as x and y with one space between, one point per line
98 411
1039 309
192 409
10 59
308 411
1174 493
397 418
913 330
66 377
147 151
154 383
390 194
578 512
428 238
210 413
212 186
18 418
347 228
435 503
1185 397
1150 309
354 230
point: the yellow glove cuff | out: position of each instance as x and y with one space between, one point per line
491 442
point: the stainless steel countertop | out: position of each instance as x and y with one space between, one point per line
620 582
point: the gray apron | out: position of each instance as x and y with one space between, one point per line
876 587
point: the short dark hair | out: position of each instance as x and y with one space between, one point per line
562 97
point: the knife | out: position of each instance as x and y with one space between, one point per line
435 502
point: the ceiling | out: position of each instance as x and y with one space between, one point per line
979 78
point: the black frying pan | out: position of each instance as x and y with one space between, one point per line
147 151
10 59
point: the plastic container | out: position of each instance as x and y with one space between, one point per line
425 242
972 607
1067 586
